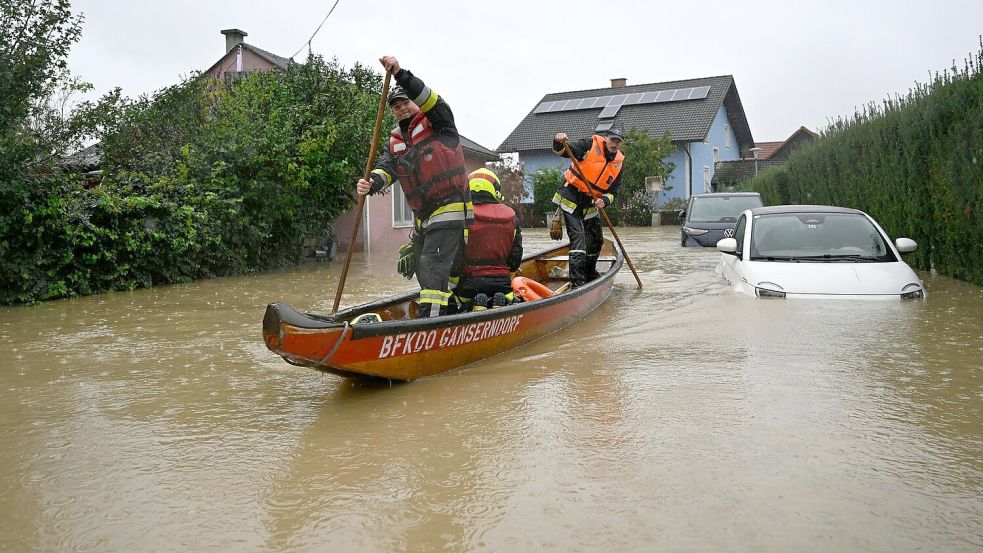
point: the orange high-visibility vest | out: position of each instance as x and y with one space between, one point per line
598 171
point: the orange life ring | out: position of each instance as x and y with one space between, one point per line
530 290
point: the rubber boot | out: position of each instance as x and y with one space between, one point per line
578 261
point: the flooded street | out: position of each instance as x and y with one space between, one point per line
683 417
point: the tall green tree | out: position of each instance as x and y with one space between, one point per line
34 45
35 132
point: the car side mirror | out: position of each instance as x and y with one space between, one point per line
905 245
727 245
682 213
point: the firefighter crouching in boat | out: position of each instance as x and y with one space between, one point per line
494 247
602 163
425 156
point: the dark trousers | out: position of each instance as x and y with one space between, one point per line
438 251
585 246
470 287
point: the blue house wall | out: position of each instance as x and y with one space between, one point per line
701 154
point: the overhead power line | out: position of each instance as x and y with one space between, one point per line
308 43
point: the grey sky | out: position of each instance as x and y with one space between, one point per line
795 63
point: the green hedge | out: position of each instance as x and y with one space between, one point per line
914 163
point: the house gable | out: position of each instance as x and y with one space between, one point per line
241 57
798 139
731 173
246 58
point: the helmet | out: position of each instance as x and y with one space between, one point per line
484 181
396 93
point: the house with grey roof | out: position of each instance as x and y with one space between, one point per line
704 119
728 175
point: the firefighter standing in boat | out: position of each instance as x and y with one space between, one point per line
425 155
602 162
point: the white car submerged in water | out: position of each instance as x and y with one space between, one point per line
814 251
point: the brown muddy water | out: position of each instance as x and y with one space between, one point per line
680 418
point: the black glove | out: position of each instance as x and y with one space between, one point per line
405 265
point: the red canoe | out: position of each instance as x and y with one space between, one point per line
400 347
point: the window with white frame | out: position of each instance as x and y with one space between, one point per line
402 214
726 137
706 178
716 155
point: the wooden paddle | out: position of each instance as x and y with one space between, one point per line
593 195
361 198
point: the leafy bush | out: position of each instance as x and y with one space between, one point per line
544 185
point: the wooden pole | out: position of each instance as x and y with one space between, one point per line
361 198
593 195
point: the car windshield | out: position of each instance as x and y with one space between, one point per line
824 237
720 209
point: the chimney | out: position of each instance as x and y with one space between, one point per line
620 82
233 38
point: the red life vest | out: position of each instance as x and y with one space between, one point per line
427 170
596 169
490 240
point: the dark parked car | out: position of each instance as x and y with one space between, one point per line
708 217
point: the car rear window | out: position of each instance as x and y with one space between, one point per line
722 209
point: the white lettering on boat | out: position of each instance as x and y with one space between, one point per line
425 340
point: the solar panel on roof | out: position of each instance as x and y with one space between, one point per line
609 111
612 103
699 93
681 94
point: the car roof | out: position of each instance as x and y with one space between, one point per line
803 209
722 194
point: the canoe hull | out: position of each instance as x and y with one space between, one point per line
407 349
